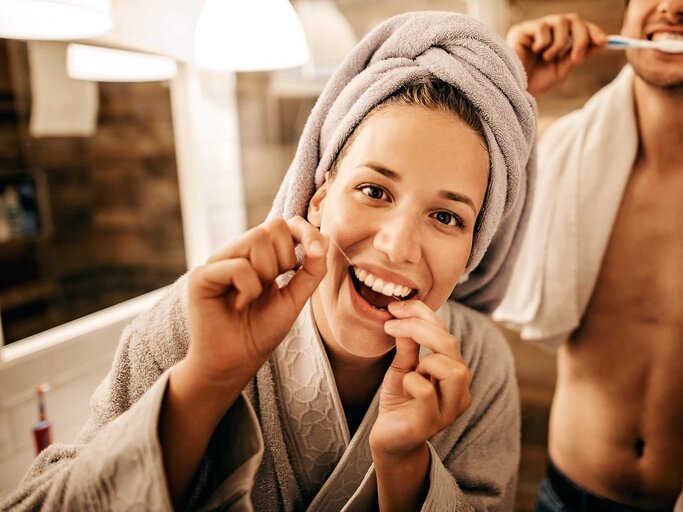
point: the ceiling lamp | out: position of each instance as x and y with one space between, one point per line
249 35
54 19
330 36
109 65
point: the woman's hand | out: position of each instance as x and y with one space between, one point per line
419 398
238 314
551 46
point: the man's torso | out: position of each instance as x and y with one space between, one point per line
616 426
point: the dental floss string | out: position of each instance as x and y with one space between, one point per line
351 263
341 251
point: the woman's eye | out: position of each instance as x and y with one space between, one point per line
448 219
373 192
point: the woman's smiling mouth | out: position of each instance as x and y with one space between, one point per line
377 291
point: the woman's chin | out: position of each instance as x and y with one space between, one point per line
367 345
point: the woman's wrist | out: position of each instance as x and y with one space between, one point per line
212 395
398 462
402 479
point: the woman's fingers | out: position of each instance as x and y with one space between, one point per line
444 371
407 355
270 247
414 319
452 380
419 388
417 308
307 235
425 333
213 280
314 267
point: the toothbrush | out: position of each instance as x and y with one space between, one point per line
622 43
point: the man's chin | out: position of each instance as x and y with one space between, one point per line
669 80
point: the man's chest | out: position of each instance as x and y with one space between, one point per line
642 271
632 330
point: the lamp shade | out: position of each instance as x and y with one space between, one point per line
109 65
249 35
329 34
54 19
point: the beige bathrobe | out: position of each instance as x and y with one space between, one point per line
284 445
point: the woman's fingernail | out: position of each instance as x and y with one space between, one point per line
316 248
395 305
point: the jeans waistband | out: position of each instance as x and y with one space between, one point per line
578 499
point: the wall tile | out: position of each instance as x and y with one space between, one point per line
5 437
13 469
18 381
22 418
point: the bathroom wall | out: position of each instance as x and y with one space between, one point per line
74 359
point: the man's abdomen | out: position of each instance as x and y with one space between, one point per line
616 425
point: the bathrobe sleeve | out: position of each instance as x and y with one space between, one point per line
116 461
474 462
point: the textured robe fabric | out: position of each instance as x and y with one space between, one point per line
284 445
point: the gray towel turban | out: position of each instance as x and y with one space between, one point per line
467 54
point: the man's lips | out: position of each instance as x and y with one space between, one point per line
663 29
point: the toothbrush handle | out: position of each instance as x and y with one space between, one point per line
621 43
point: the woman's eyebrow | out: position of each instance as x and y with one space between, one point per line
460 198
446 194
392 175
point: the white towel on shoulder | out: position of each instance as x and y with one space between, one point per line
584 163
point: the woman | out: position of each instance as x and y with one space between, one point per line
350 383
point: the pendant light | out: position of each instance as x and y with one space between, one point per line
99 64
249 35
54 19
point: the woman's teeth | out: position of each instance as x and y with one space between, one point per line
380 286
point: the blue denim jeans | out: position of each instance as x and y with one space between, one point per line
558 493
548 500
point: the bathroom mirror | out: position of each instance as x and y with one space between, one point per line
89 197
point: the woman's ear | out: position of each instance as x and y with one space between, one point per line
315 206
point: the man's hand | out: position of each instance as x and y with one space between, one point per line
551 46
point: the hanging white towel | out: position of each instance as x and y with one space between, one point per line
585 161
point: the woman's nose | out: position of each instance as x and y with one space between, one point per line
398 238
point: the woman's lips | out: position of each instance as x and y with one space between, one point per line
362 307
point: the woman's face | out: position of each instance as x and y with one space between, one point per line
403 207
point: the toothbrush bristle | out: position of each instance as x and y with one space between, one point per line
671 46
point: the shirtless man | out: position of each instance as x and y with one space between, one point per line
616 424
